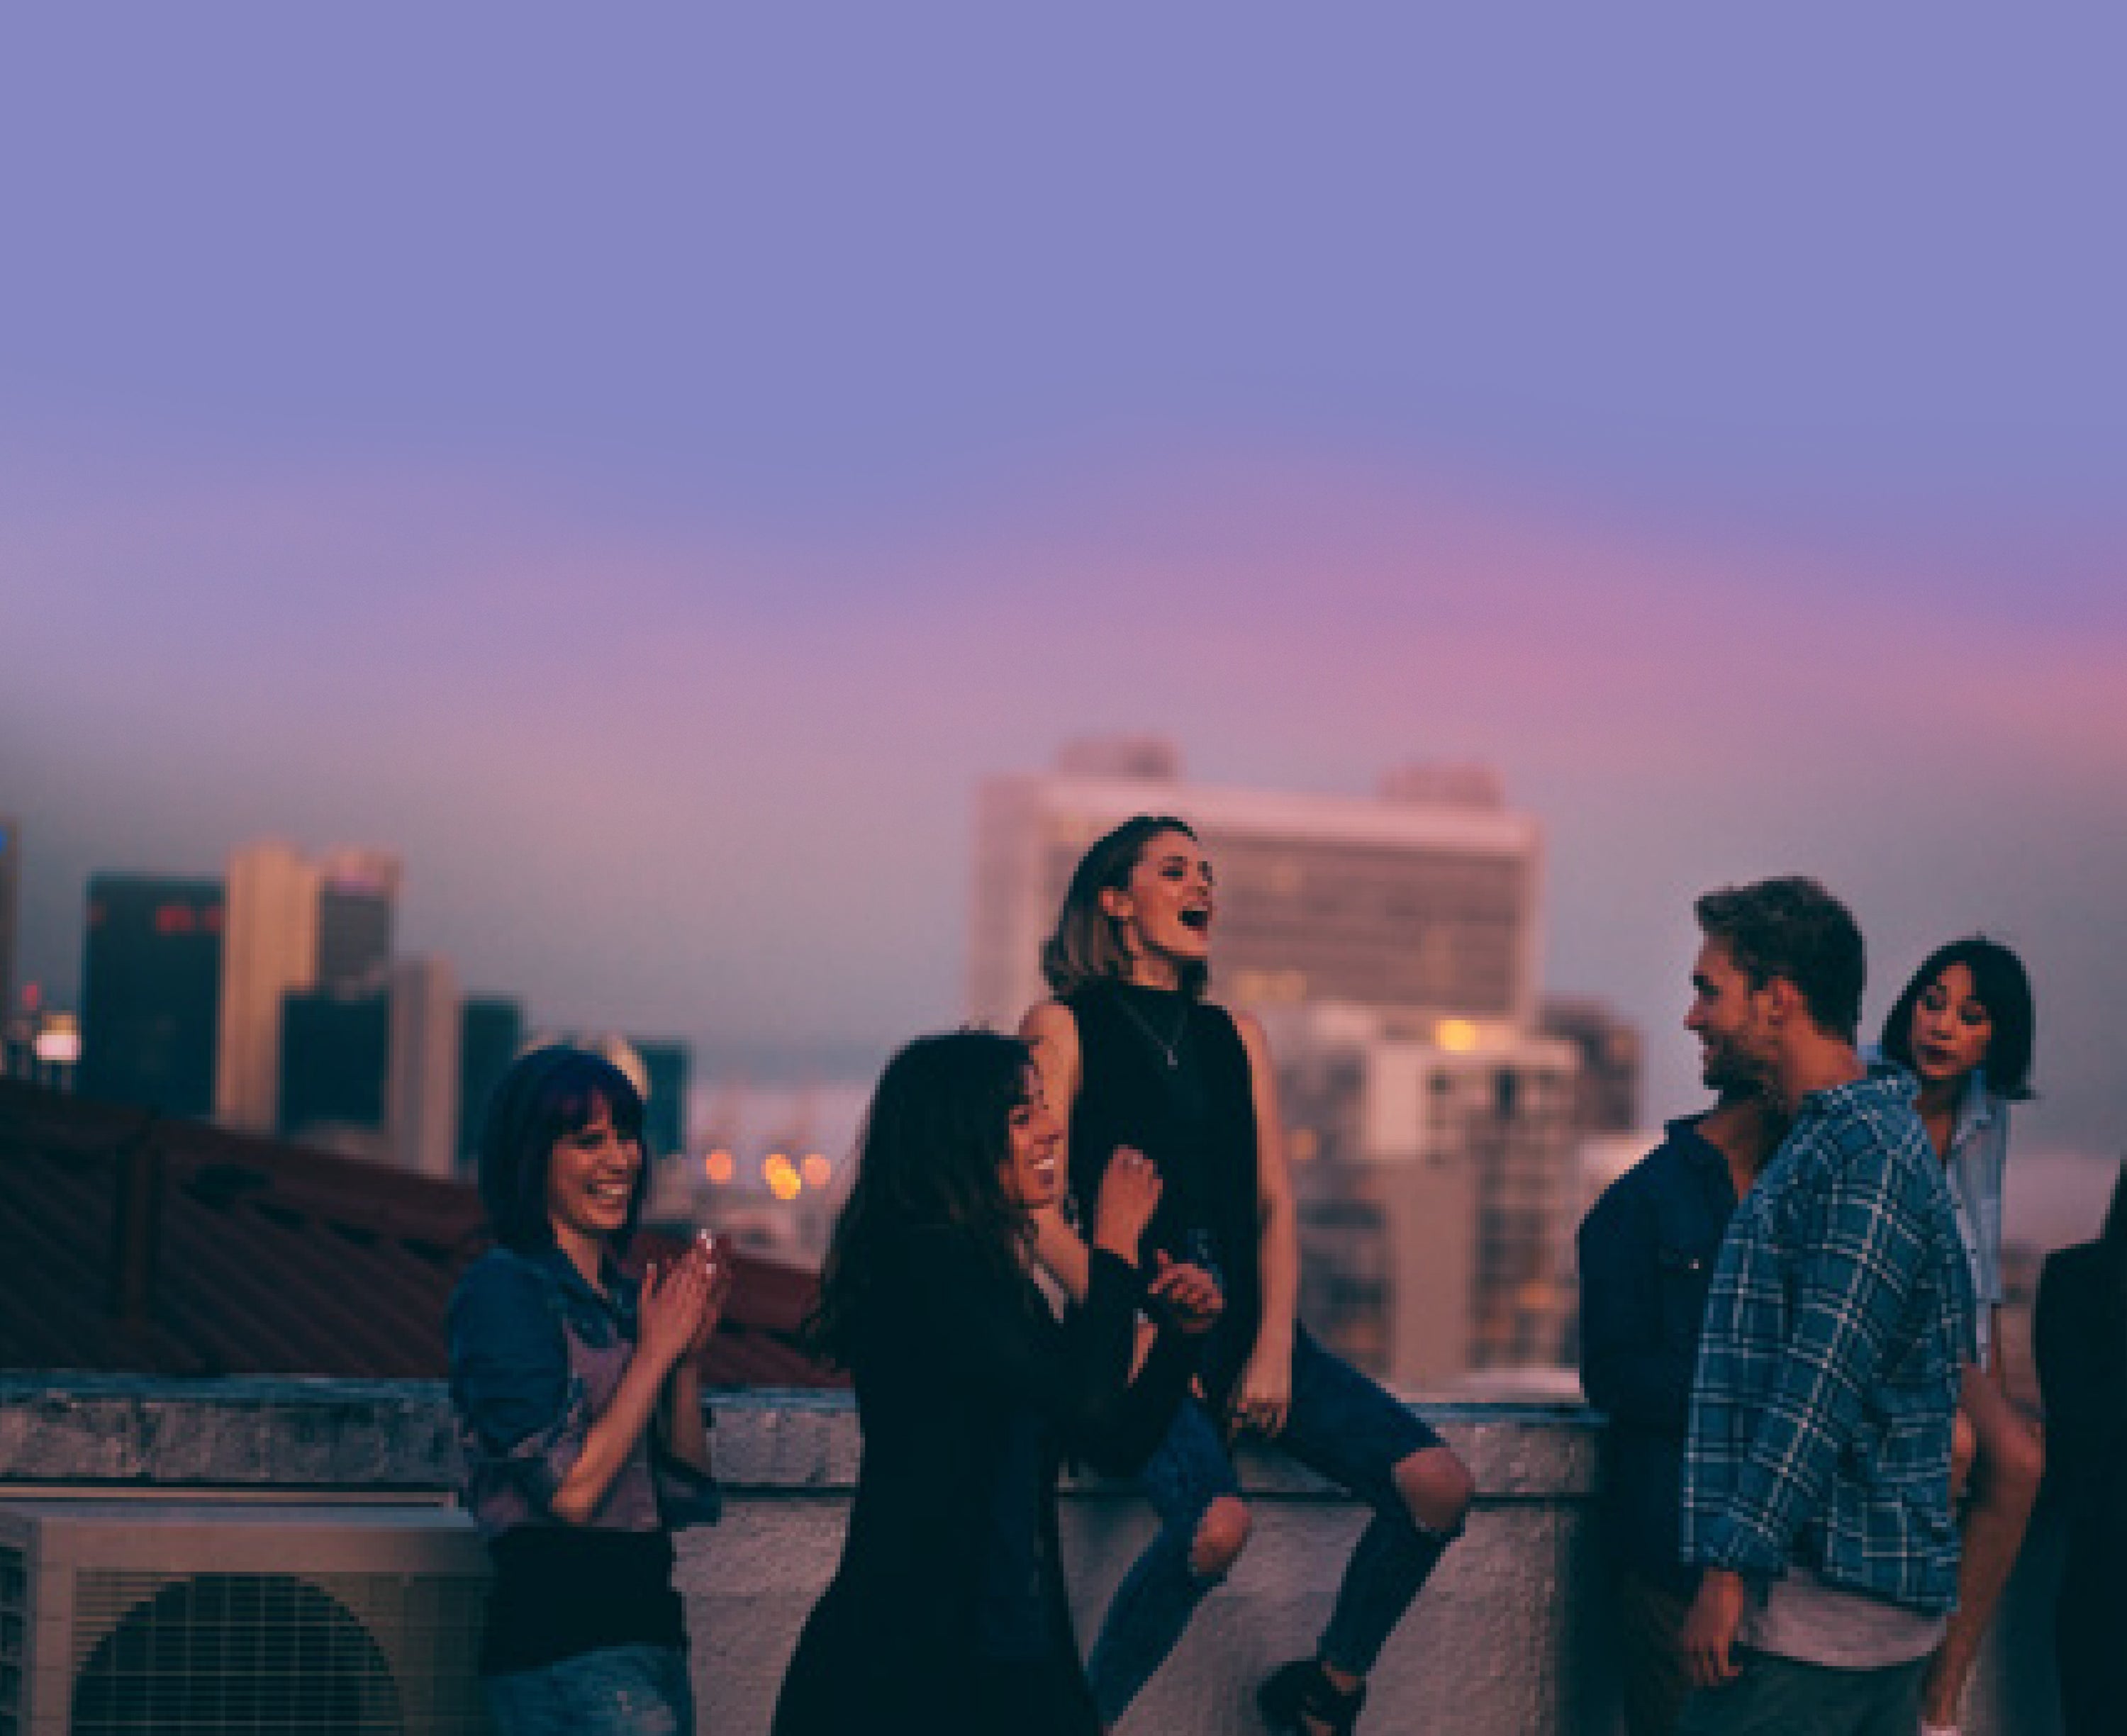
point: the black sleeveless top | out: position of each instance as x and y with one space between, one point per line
1165 1072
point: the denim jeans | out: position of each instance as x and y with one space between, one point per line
615 1691
1782 1697
1342 1426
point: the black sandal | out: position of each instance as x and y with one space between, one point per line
1299 1690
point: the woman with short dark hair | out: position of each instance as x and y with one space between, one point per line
579 1411
1963 1028
947 1613
1138 1059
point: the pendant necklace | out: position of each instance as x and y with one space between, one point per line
1170 1050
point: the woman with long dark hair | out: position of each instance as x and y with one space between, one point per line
1136 1059
947 1613
2081 1336
1963 1028
579 1411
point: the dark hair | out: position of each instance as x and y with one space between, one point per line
1998 984
1792 927
937 1129
547 1094
2113 1237
1087 945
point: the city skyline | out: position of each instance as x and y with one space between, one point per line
653 479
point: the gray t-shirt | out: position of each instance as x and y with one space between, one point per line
1805 1617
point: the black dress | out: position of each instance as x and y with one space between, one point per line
948 1611
2080 1338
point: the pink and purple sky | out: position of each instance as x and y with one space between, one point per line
647 468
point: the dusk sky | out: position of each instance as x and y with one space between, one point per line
646 466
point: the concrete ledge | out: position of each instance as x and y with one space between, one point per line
298 1433
1510 1638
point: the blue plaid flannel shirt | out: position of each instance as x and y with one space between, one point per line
1836 1329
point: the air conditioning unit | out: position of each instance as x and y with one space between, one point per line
184 1618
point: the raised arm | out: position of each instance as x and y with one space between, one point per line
985 1328
1051 1033
509 1376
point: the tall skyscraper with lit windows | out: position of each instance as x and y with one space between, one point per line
151 980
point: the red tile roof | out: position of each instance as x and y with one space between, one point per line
246 1256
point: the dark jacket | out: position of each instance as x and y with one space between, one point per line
2080 1335
1647 1253
953 1365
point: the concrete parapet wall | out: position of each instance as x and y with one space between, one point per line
1509 1638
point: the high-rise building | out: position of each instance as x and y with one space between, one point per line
335 1058
11 869
357 889
1424 899
373 1071
269 949
295 924
151 986
1607 1098
665 1066
422 1087
1436 1164
491 1034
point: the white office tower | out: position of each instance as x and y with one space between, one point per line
421 1088
269 947
1426 898
293 924
1437 1165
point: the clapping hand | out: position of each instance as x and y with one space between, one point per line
679 1306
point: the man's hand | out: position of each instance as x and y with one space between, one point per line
1709 1629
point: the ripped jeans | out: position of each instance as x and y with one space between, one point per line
1342 1427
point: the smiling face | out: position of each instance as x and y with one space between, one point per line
590 1178
1032 1175
1164 913
1951 1027
1730 1018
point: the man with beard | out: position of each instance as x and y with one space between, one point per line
1646 1254
1817 1464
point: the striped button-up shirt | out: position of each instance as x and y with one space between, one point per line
1839 1319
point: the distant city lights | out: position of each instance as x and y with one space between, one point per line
720 1166
58 1042
782 1177
1457 1036
816 1171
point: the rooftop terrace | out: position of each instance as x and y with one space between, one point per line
1509 1639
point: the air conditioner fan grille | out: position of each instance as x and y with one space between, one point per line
274 1654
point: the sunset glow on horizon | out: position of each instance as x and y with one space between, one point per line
648 481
